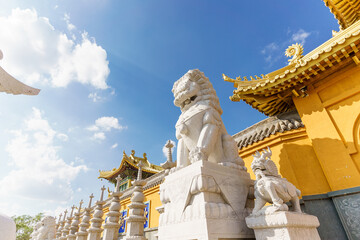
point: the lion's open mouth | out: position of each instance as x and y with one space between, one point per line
188 101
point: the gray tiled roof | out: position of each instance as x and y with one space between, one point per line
270 126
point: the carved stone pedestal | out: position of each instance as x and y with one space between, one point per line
111 227
284 225
204 200
84 225
95 229
136 219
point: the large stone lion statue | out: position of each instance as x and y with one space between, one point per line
270 187
200 131
45 229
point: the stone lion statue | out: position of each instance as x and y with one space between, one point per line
270 187
200 131
7 227
45 229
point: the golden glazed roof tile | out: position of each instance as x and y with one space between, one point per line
347 12
271 94
132 160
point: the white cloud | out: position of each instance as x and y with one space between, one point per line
62 137
300 36
104 124
93 128
274 51
270 53
99 136
114 146
69 25
38 170
79 160
107 123
269 48
36 52
94 97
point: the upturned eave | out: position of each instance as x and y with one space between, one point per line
272 93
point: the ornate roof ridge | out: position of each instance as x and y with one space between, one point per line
132 160
339 39
273 95
267 127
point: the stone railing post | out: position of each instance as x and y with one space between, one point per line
112 226
59 222
66 230
61 226
75 224
136 219
97 220
85 222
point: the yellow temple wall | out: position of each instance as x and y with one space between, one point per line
152 195
295 158
331 114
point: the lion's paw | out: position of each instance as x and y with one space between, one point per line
197 154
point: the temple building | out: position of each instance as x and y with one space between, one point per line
313 127
128 171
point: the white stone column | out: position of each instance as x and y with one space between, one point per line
61 226
136 219
75 224
95 229
85 222
112 226
66 230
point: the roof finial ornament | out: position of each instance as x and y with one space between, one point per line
296 50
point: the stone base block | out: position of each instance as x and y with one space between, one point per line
205 201
135 238
284 225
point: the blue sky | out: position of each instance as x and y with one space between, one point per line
106 69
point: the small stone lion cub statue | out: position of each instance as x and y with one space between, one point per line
271 187
45 229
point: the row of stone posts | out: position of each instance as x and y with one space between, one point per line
87 225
